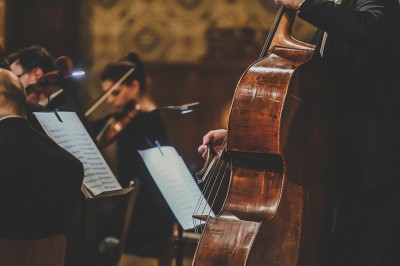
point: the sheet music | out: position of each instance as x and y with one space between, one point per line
73 137
175 183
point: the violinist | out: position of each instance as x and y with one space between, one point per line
152 220
358 43
36 68
32 65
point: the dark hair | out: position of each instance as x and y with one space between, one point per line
3 61
13 95
115 70
34 56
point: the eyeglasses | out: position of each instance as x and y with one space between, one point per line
115 92
32 89
20 75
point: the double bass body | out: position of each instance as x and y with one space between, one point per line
276 210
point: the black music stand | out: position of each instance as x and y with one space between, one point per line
178 246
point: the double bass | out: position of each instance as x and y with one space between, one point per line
275 211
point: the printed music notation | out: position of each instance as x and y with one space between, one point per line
176 184
73 137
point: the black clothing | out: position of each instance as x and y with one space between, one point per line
360 55
63 102
152 219
141 133
30 109
76 232
40 181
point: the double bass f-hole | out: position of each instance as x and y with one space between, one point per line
212 178
210 161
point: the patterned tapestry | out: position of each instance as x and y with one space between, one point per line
176 34
175 31
180 30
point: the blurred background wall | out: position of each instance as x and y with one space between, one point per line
2 22
195 50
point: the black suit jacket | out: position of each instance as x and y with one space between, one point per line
360 58
39 182
30 109
361 51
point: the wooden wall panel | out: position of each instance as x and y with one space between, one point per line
2 21
49 23
212 85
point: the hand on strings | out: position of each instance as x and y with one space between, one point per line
214 138
292 4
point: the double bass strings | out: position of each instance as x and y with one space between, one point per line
212 165
217 166
205 188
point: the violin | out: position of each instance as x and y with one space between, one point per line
47 83
276 209
115 125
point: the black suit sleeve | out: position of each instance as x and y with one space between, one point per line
361 21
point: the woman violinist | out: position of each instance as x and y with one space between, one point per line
152 220
358 41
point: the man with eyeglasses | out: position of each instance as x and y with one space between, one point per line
30 65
